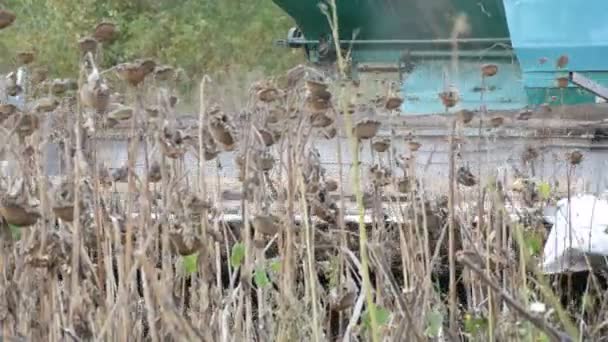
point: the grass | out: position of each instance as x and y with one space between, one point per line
152 254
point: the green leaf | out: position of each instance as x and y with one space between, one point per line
434 323
238 254
542 337
588 301
382 316
474 325
190 263
275 265
16 232
544 190
534 242
261 277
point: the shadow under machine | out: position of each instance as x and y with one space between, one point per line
547 51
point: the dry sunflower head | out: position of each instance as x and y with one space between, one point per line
134 73
6 111
17 214
575 157
164 73
110 123
489 70
87 44
39 75
27 124
497 121
222 131
120 112
171 143
324 210
105 179
381 145
321 120
46 104
450 97
61 86
465 116
269 94
381 176
524 115
267 137
393 102
6 18
105 32
529 154
465 177
403 185
267 224
195 204
25 57
317 105
154 172
147 64
63 200
265 161
275 115
331 185
183 242
316 86
344 296
152 112
120 175
366 129
15 207
414 146
329 132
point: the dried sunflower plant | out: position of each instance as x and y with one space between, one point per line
122 218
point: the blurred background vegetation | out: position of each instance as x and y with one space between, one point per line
200 36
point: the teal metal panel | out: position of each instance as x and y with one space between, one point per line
543 30
399 19
504 91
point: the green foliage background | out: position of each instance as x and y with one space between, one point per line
200 36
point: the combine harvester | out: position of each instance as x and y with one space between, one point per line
549 91
550 87
547 52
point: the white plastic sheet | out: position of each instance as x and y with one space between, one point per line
581 242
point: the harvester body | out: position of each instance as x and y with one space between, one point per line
536 44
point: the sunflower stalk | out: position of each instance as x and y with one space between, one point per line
356 177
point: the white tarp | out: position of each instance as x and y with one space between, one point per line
574 246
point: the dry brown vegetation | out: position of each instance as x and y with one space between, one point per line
159 249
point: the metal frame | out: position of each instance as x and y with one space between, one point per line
589 85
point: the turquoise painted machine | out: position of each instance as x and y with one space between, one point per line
536 44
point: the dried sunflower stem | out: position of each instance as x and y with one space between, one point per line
204 289
287 250
354 143
131 191
122 293
451 232
310 253
538 322
367 285
76 240
145 221
341 222
247 270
